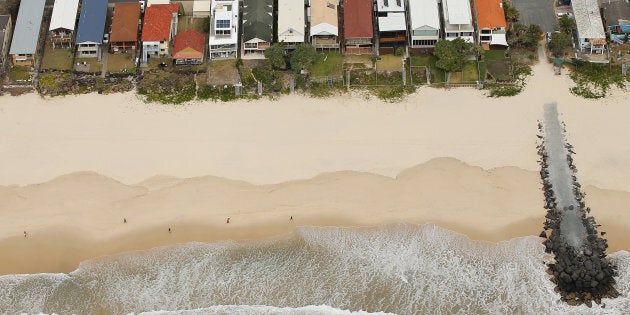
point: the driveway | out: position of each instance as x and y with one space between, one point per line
537 12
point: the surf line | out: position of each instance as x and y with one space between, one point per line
581 271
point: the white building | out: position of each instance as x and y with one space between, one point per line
223 42
458 20
153 2
424 23
591 35
291 22
201 8
62 22
392 23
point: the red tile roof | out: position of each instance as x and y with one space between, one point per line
357 16
157 22
189 45
125 22
490 13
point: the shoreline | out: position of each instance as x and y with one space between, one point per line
72 227
341 161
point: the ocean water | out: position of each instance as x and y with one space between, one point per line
401 269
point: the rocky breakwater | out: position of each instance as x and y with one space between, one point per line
581 271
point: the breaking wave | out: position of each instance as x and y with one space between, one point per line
403 269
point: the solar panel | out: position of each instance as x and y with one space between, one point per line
223 23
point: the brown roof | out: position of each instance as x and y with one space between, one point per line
125 22
357 16
189 45
157 22
490 13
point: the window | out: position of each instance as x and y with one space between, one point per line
430 42
223 23
425 33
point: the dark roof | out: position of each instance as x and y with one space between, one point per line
26 27
92 21
615 11
4 21
257 20
357 17
125 22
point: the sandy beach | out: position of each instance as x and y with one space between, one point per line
72 168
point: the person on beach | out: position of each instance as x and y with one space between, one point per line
169 230
124 220
228 220
24 233
291 219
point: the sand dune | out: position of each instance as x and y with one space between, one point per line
79 216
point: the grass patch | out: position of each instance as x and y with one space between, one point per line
167 87
224 93
389 63
327 64
120 63
494 55
198 24
221 72
467 75
322 90
595 80
437 75
393 94
48 82
56 59
19 73
93 65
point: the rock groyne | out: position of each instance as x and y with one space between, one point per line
581 271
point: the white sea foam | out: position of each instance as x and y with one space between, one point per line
263 309
404 269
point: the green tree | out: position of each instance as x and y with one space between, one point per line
275 56
303 57
524 36
205 24
558 42
532 36
511 13
567 25
10 7
452 54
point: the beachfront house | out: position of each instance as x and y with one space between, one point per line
291 23
159 28
223 39
6 28
591 35
201 8
62 23
358 27
124 30
392 25
188 48
424 25
89 42
617 19
257 27
457 18
324 19
25 41
491 23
